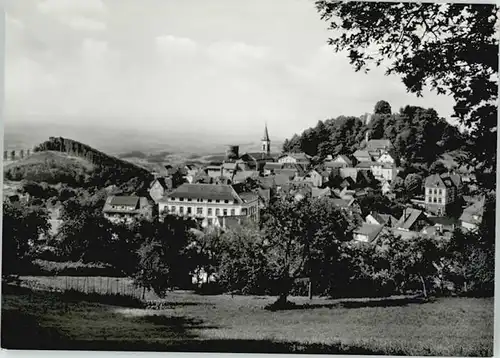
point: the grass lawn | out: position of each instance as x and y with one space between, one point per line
190 322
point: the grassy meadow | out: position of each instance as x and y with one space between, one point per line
222 323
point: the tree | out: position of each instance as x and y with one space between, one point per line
438 168
382 107
164 253
451 48
302 236
243 265
22 226
413 184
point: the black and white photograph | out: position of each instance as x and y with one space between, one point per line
226 176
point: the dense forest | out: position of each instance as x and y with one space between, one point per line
103 171
419 135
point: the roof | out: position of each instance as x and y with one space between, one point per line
375 144
273 165
361 153
257 156
162 181
267 182
408 218
130 201
341 203
243 175
345 158
229 166
332 164
288 172
281 179
297 156
441 181
115 203
318 193
205 191
370 230
248 197
266 134
384 219
476 209
366 164
213 167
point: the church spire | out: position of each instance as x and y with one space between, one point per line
266 142
266 135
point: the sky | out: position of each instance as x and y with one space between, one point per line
197 66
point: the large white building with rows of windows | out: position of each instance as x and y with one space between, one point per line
209 203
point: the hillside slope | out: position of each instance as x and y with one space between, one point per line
62 160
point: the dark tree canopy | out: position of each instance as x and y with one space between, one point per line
450 48
382 107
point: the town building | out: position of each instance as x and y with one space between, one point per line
159 188
295 158
271 167
411 223
206 202
440 192
375 218
368 232
472 216
126 209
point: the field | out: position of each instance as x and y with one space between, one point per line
190 322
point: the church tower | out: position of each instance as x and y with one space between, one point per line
266 142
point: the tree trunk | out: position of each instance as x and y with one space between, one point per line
310 289
143 292
423 286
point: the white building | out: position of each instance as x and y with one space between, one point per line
207 202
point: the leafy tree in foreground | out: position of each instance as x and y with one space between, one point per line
163 256
301 237
21 228
452 48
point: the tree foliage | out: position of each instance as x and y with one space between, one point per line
301 236
450 48
22 226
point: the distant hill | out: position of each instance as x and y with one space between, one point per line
62 160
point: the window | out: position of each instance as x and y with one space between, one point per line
199 211
181 199
435 200
209 211
172 209
440 191
189 210
439 200
189 199
210 221
217 212
181 209
217 201
209 200
233 212
225 212
226 201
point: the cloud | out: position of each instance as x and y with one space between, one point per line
169 44
71 6
85 23
237 54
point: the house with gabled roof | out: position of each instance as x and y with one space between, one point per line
368 233
205 202
159 187
294 158
378 144
472 216
125 209
381 219
271 167
362 156
411 223
440 192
